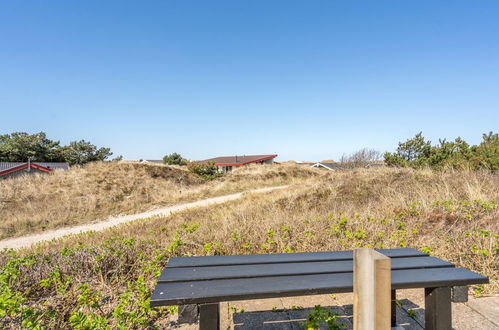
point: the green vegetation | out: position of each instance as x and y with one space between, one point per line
207 171
411 313
174 159
20 146
320 315
71 301
104 279
419 153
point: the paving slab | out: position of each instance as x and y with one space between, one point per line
464 316
290 312
488 307
278 320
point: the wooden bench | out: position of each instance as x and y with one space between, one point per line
207 281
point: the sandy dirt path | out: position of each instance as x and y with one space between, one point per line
25 241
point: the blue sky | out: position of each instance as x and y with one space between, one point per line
307 80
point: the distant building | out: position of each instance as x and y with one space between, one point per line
227 163
304 163
328 166
14 169
155 161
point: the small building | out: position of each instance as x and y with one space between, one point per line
227 163
14 169
304 163
328 166
154 161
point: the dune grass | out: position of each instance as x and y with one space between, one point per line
84 194
104 279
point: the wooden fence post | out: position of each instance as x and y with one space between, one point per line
372 290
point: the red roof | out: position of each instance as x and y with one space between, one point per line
238 160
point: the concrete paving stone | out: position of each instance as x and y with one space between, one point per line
228 317
411 310
406 321
225 316
323 300
172 323
261 320
478 313
298 316
465 318
293 318
257 304
486 306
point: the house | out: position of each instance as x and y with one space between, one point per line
304 163
14 169
328 166
154 161
227 163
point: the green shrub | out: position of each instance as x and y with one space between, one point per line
208 171
458 154
174 159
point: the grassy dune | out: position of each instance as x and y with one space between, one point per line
84 194
105 279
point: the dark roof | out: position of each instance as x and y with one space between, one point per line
54 166
334 166
237 160
6 166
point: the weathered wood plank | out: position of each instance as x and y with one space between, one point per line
284 269
195 292
282 258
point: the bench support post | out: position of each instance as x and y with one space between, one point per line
438 311
209 317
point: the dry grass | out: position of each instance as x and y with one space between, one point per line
84 194
452 215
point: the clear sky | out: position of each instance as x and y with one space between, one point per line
308 80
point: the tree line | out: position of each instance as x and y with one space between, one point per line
21 146
458 154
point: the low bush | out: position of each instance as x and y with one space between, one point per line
206 171
104 280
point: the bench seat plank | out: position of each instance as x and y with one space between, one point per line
196 292
282 258
284 269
